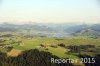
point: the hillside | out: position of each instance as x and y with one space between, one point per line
90 31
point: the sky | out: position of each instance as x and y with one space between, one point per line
49 11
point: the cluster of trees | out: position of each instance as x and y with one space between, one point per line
75 48
62 45
54 46
6 35
59 39
30 58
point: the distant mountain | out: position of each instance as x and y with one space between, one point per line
5 27
95 27
60 27
47 28
41 27
90 31
76 28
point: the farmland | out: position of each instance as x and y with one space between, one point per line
55 45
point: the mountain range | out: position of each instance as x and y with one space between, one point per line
73 29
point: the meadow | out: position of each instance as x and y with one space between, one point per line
23 43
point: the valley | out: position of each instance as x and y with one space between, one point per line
74 45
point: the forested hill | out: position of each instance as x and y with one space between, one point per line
30 58
91 31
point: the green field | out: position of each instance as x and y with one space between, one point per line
35 42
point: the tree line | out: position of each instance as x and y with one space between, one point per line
31 57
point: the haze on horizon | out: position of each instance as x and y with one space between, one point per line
49 11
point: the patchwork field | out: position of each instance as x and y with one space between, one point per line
49 44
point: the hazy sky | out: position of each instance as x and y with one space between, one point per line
50 11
